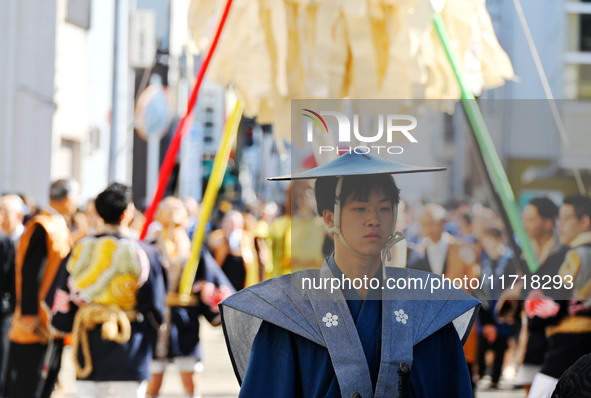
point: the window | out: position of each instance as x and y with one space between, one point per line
577 77
78 13
69 159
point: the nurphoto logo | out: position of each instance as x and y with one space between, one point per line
390 126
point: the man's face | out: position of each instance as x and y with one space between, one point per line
533 223
490 244
569 225
367 225
232 221
72 203
173 212
430 227
12 215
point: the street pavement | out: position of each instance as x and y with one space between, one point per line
217 379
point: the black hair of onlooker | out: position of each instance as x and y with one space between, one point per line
62 188
494 232
112 202
546 208
358 186
467 217
581 203
455 203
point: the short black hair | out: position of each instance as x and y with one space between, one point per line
455 203
494 232
360 186
112 202
581 203
62 188
467 217
546 208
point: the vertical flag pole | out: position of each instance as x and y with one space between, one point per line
220 165
491 159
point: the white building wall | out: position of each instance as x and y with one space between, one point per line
56 86
523 122
84 87
27 47
100 86
70 121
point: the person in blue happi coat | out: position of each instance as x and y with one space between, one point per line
178 338
384 334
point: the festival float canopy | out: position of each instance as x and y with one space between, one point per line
276 50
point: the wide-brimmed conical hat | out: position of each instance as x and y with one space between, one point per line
351 164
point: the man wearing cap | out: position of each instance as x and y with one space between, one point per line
306 339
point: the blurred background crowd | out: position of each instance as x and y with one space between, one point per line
509 343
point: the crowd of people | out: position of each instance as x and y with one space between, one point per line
80 277
527 329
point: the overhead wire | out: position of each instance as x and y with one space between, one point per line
546 86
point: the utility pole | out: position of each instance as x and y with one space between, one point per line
121 145
114 106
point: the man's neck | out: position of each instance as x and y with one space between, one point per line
16 234
497 252
443 238
58 210
354 267
115 229
543 240
543 246
436 240
61 209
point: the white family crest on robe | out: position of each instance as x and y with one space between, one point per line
330 319
401 316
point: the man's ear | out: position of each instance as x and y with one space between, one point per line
127 214
549 224
328 217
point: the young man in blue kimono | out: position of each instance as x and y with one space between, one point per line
291 336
